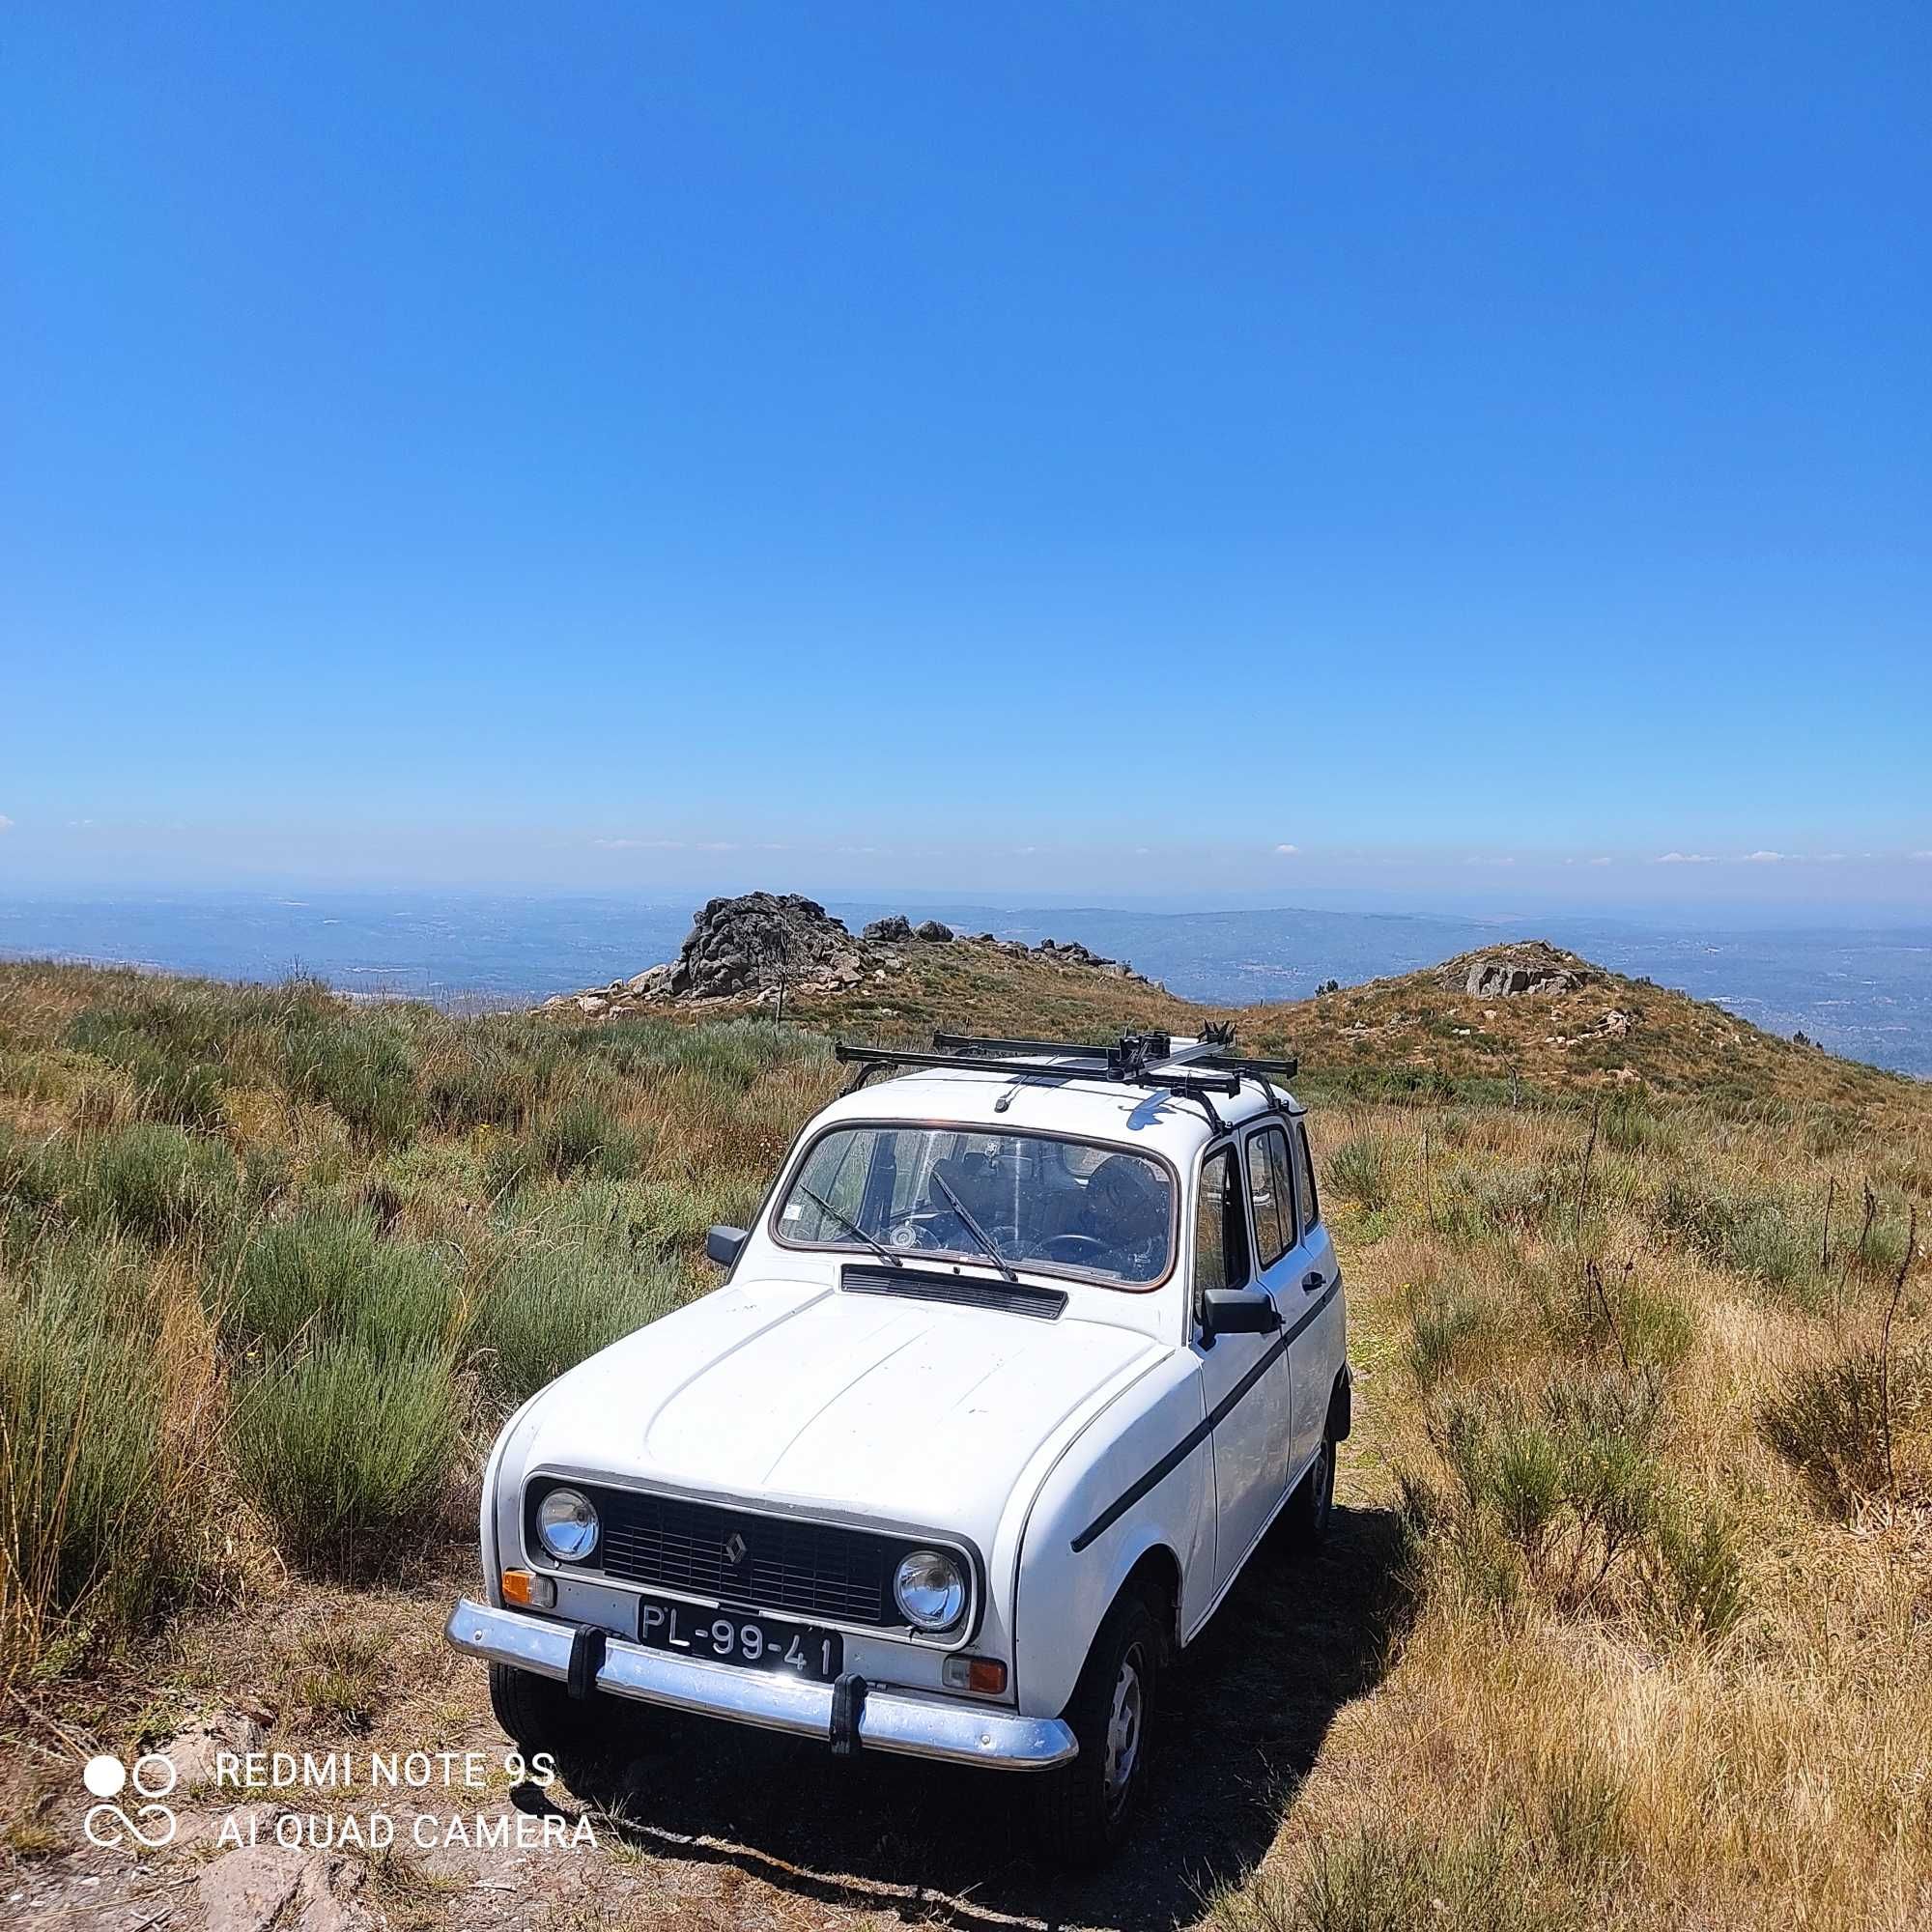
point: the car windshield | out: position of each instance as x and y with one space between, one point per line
1064 1207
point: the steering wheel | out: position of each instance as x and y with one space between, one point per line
1053 1248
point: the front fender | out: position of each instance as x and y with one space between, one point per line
497 1525
1062 1592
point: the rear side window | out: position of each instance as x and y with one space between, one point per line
1304 1179
1220 1234
1270 1195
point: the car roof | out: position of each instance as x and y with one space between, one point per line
1084 1106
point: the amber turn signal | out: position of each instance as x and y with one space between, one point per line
985 1675
531 1592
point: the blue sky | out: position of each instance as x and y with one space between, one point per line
1076 449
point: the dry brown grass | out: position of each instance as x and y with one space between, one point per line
1590 1759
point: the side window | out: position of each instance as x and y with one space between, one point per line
1304 1179
1220 1234
1268 1199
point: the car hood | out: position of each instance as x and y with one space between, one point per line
795 1393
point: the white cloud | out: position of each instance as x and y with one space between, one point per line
639 844
1286 851
1685 859
1829 858
6 823
1604 860
1916 855
1763 858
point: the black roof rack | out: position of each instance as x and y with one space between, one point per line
1205 1067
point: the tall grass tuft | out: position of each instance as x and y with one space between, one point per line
362 1066
350 1453
161 1183
103 1483
330 1276
583 1137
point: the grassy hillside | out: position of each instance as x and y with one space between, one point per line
1639 1487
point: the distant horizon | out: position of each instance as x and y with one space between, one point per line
1447 906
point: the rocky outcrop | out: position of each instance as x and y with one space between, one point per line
1509 971
749 948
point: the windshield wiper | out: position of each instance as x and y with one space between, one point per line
978 1234
851 1227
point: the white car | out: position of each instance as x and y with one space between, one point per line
1028 1348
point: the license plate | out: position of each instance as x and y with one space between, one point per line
752 1643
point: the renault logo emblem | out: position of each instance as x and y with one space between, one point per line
735 1549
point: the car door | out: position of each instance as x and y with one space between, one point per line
1244 1379
1311 1302
1271 1217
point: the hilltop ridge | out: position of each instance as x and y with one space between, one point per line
1520 1011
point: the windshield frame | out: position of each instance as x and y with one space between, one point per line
974 1257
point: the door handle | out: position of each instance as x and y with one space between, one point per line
1314 1281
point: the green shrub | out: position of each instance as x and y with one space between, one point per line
580 1137
550 1306
1828 1421
1361 1169
1574 1489
1756 1236
1700 1579
350 1453
161 1183
1616 1318
330 1276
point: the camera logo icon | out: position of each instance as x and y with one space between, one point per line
106 1777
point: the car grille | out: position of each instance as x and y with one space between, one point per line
811 1568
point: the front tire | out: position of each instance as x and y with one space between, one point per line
540 1715
1083 1811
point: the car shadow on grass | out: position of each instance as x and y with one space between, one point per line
1243 1720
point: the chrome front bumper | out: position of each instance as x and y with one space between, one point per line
960 1733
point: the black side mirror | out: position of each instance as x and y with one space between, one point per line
721 1245
1237 1311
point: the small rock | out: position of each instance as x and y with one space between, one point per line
193 1751
930 929
894 926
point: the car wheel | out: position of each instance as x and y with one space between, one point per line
541 1716
1082 1811
1312 1507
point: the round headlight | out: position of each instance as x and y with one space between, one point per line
567 1526
931 1589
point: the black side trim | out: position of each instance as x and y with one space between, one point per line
1202 1430
1043 1304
